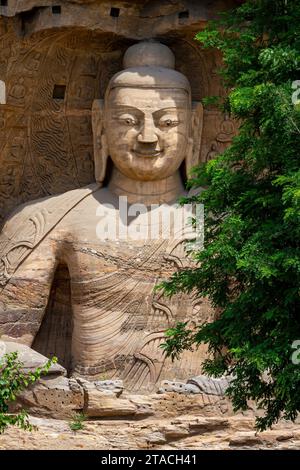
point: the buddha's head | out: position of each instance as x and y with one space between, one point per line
146 122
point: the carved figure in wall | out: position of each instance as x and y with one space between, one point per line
148 128
18 92
213 152
227 130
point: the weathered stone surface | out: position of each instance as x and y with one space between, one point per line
136 19
51 397
178 387
31 359
144 405
202 425
285 436
84 383
154 433
105 404
57 133
172 431
75 385
210 385
245 439
115 386
2 349
155 437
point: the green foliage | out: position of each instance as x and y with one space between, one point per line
77 422
12 381
250 265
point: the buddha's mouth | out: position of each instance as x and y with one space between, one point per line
148 154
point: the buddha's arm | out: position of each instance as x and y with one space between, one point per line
24 298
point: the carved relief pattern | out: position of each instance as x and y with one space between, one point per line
46 144
16 244
148 364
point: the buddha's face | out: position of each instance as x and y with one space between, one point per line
147 131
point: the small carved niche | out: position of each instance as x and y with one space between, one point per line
59 92
56 9
27 18
183 15
115 12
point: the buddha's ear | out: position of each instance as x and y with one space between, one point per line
100 144
195 139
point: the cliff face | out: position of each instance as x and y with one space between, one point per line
134 19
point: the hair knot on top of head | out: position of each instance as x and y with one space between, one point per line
149 64
149 53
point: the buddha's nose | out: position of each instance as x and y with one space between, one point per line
148 134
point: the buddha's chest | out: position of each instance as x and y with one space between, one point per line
123 275
116 282
105 239
142 260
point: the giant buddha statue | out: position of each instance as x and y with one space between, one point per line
147 131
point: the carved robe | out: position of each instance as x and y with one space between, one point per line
119 319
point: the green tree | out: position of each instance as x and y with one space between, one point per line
250 265
12 381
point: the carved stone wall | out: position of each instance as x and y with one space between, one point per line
56 59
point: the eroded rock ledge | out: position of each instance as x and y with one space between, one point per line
55 395
191 415
136 19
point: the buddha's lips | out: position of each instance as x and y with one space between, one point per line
148 154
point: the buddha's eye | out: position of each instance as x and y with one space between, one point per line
128 120
168 122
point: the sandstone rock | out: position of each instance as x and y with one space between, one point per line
116 386
75 386
156 8
144 405
85 384
285 437
246 439
112 313
175 432
51 397
178 387
105 404
204 425
155 437
30 358
49 424
136 19
210 385
143 434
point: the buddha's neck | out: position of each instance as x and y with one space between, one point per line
146 192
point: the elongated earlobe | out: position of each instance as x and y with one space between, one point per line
194 144
100 143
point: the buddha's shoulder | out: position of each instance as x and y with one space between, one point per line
47 211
